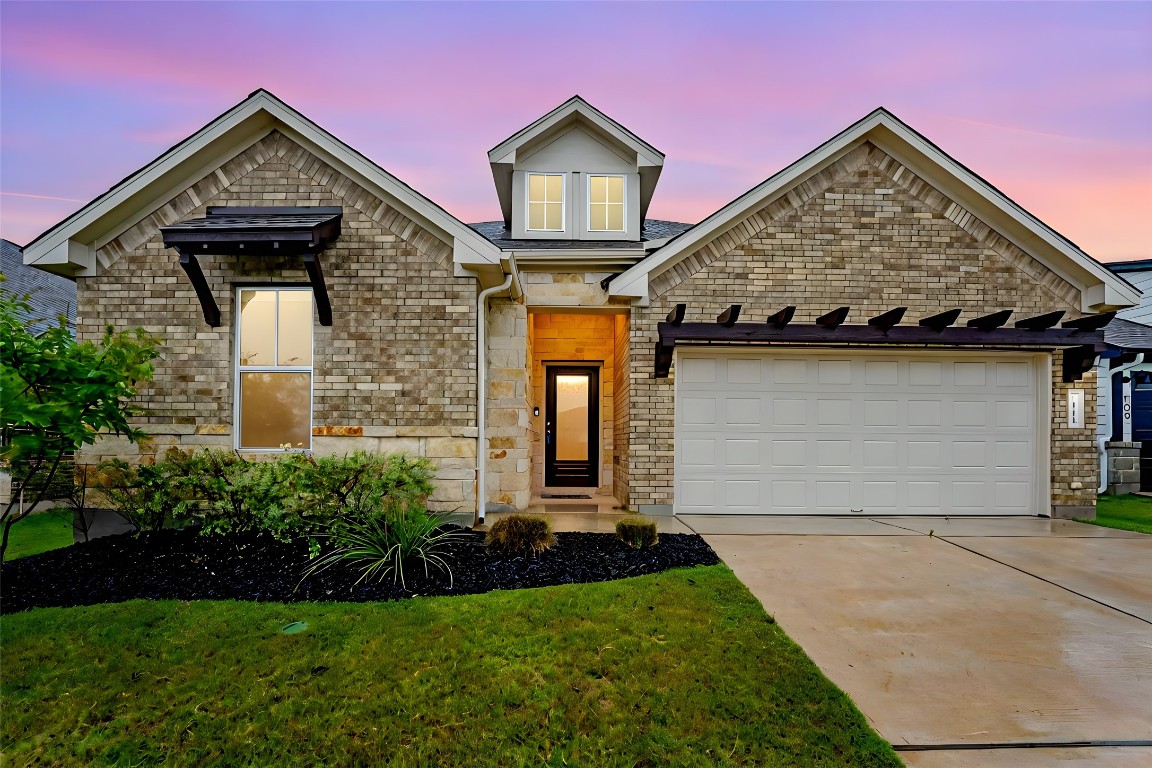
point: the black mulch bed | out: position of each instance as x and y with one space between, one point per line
183 565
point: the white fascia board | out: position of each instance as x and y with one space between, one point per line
1039 240
416 203
1038 232
646 154
118 195
246 122
68 258
630 286
734 212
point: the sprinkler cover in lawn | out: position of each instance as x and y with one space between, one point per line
294 628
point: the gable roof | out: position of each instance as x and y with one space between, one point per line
70 246
1100 289
51 296
502 157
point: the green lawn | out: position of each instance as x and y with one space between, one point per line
681 668
39 533
1129 512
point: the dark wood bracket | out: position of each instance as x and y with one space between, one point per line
191 268
663 360
782 318
833 319
319 289
886 321
728 317
990 322
1041 322
941 321
676 316
1091 322
1078 361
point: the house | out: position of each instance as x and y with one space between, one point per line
51 296
872 330
1124 390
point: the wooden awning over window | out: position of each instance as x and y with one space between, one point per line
1082 339
256 231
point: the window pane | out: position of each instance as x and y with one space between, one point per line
597 217
571 418
295 333
555 189
536 215
535 187
597 189
615 189
257 327
553 216
615 217
275 409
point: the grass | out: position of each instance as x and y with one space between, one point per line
1129 513
679 668
39 533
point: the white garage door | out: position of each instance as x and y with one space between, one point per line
841 433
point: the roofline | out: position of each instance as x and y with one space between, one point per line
542 123
857 132
1132 265
216 129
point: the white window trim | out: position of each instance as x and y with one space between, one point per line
623 200
237 368
528 201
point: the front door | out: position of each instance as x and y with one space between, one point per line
572 426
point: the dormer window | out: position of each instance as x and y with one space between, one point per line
605 203
546 202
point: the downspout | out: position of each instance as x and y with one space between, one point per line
1100 441
482 383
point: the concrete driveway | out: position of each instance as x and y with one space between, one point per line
966 642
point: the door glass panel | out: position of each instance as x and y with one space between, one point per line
295 328
571 417
275 409
258 328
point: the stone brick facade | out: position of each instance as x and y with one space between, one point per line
864 232
395 371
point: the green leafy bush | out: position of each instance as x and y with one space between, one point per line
637 532
149 495
520 534
285 495
385 545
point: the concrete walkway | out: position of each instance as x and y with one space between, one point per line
993 632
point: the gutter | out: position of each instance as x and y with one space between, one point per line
482 383
1100 441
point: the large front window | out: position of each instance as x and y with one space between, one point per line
606 203
274 368
546 202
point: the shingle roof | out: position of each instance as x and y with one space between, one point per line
1128 335
51 295
653 229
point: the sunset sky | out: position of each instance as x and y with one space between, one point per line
1050 102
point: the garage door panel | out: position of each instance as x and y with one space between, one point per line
832 434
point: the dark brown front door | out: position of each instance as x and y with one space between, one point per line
571 426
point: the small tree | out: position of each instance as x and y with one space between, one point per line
57 394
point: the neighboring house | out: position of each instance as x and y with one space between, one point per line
51 296
760 361
1124 390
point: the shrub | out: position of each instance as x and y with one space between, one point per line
637 532
362 485
386 544
520 534
146 495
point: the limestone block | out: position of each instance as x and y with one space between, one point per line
450 447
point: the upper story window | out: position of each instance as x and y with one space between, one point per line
546 202
605 203
274 368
